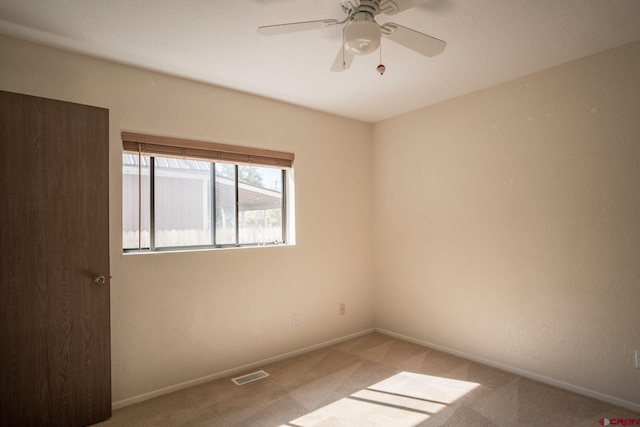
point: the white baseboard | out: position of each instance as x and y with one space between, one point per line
523 373
232 371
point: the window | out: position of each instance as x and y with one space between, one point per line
181 194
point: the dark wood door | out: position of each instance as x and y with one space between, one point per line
55 356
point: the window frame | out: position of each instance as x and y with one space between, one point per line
154 146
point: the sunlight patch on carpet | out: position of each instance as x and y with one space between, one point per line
426 387
402 400
350 412
399 401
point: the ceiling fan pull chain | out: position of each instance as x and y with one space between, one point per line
381 68
344 61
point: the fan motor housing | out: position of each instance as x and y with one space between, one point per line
356 12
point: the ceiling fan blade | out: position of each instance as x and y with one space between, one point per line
414 40
271 30
343 61
391 7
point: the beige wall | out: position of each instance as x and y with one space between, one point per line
507 224
183 316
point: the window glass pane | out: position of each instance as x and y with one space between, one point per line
131 202
182 202
249 203
260 204
225 204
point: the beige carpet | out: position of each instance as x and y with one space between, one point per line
373 380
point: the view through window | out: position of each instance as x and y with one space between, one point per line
171 203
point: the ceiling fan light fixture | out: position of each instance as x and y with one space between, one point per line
362 37
361 33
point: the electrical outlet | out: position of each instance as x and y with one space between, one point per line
295 320
343 309
638 359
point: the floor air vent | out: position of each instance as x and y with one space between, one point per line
254 376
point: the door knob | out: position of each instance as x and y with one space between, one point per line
99 279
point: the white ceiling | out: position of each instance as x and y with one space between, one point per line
215 41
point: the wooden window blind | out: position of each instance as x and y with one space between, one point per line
153 145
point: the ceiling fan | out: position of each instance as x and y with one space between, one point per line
362 34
